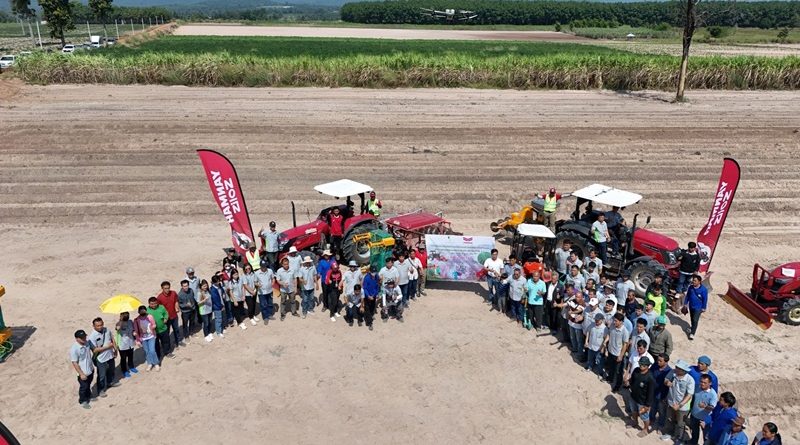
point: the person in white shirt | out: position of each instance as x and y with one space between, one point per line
493 267
392 301
413 274
600 235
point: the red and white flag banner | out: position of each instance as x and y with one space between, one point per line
709 235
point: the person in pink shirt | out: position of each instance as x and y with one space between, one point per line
144 331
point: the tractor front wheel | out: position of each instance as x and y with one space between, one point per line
580 245
357 251
790 313
643 273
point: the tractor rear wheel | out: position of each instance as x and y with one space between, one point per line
643 273
580 245
357 251
790 312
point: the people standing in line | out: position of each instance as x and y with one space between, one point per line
679 401
105 350
689 259
422 256
218 305
161 318
188 305
493 267
124 328
269 239
371 288
336 224
169 299
697 301
250 293
145 331
224 280
354 309
80 355
335 284
236 293
616 345
205 309
308 283
537 290
194 284
287 283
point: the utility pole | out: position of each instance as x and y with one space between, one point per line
89 30
142 24
38 33
117 27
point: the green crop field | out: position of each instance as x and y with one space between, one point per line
376 63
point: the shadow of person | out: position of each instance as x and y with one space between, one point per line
459 286
612 407
677 320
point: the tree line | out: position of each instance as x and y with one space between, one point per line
762 14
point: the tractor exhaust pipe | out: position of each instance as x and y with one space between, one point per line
294 216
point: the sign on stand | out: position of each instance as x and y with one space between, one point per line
457 258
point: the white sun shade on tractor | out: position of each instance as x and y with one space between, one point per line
609 196
343 188
535 230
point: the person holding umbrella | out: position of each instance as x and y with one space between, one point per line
123 304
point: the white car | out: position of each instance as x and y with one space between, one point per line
68 49
7 61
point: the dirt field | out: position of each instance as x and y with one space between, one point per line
102 193
368 33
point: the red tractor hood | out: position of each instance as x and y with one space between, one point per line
654 239
311 228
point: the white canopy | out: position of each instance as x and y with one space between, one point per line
607 195
342 188
535 230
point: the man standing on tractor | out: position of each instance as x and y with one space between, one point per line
696 300
269 239
550 206
615 221
374 205
690 264
601 236
336 224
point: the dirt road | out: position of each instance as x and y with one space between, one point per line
369 33
102 193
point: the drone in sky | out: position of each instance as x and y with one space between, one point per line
450 15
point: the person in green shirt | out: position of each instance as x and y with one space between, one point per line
160 315
660 306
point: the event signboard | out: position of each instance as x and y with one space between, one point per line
457 258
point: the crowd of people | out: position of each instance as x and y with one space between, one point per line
624 341
238 293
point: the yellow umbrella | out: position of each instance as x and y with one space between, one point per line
119 304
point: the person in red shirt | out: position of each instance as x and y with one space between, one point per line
169 299
336 223
422 256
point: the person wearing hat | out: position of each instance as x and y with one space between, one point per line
704 367
324 264
194 281
374 205
351 277
269 239
660 337
80 354
336 225
590 312
264 277
295 261
639 351
679 401
371 287
658 282
252 256
595 344
392 302
308 284
642 394
736 435
623 287
287 282
550 206
615 222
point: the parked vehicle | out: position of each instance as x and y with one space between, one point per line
773 294
68 49
7 61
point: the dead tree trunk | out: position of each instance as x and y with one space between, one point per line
689 27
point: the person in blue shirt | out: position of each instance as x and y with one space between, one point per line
736 435
217 305
660 370
697 301
704 367
323 266
371 287
768 435
537 289
721 418
704 400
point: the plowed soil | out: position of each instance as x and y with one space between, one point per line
102 193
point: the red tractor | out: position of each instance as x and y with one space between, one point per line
642 253
773 294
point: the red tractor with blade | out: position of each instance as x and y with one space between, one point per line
642 253
773 294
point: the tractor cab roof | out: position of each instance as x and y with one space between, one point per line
609 196
535 230
343 188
